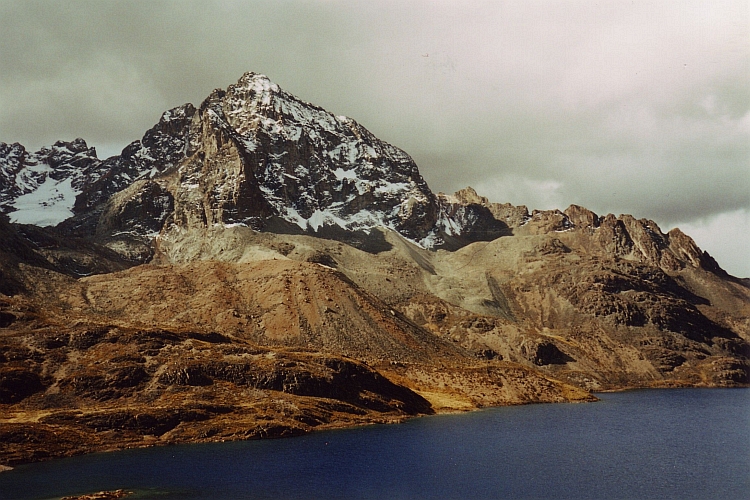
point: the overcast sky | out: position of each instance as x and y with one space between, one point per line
620 106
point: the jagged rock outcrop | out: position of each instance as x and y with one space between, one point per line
40 188
513 216
159 151
463 219
302 275
609 235
161 148
259 152
251 155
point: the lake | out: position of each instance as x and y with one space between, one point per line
678 443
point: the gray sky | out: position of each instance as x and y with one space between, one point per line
620 106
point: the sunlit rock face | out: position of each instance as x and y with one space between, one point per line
257 152
258 267
254 155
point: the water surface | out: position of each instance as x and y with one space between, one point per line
680 443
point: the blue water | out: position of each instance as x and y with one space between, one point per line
680 443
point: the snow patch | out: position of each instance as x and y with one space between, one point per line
48 205
429 241
392 187
293 216
342 174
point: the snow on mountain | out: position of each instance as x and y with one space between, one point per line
251 155
47 205
259 152
255 155
40 188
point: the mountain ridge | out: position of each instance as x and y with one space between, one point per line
254 153
256 266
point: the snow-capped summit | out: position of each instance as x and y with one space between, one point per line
257 151
251 155
254 155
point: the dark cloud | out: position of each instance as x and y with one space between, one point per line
624 107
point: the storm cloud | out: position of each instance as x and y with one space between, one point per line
619 106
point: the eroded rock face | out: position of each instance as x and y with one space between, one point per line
511 215
257 153
130 220
244 326
257 156
582 217
161 149
462 219
623 237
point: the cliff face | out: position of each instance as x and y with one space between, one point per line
259 152
250 155
256 266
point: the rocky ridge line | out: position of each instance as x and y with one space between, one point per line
302 276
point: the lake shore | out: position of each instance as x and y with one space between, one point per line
679 443
235 429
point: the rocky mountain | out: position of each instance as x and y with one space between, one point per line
250 155
256 266
40 188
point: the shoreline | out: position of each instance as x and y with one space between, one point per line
332 426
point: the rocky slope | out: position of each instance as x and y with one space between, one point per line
226 351
256 266
559 301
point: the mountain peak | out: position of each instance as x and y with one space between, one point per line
255 155
266 327
256 82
